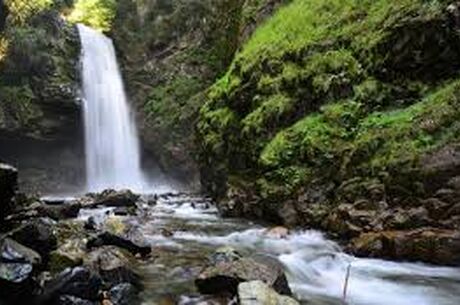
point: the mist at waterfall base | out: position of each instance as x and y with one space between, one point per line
112 149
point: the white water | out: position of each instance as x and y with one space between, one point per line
111 140
316 267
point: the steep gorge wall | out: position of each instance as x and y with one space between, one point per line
171 51
342 116
40 130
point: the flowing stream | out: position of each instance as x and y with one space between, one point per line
111 140
316 267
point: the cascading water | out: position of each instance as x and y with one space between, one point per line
112 147
316 267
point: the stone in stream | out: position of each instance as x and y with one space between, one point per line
277 232
40 209
37 234
124 294
69 254
114 265
258 293
224 275
79 282
8 188
17 265
71 300
112 198
108 239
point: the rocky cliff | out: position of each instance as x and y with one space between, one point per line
39 105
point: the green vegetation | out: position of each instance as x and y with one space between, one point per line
21 10
333 89
98 14
38 55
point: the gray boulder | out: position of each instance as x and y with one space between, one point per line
8 188
224 275
258 293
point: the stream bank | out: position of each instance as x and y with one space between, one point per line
173 248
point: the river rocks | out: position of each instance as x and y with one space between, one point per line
431 245
277 232
17 264
79 282
71 300
259 293
8 188
224 275
38 235
114 265
108 239
112 198
70 254
124 294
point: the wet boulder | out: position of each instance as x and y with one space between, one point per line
71 300
112 198
124 294
77 283
69 254
8 188
114 265
60 212
277 232
430 245
259 293
224 275
17 266
39 209
108 239
39 235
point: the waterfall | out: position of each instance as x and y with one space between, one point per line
111 140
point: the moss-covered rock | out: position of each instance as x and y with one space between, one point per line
336 102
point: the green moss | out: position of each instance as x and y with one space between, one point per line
164 107
340 136
18 103
340 88
315 140
267 114
213 124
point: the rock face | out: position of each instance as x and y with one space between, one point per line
258 293
228 270
8 188
39 104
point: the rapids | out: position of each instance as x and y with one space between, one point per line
316 267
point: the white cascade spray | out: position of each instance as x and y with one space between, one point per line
112 147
